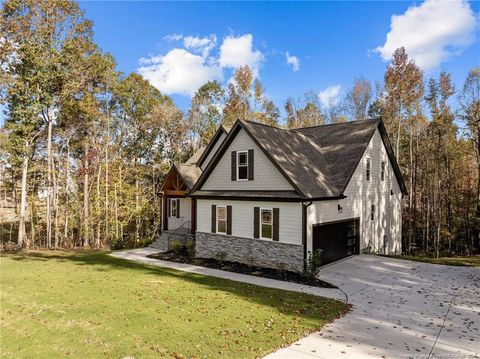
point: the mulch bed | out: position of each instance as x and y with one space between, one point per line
236 267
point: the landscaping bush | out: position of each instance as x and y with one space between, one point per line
177 246
312 264
190 248
221 256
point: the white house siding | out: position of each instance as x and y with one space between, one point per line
361 194
213 151
185 214
290 226
266 175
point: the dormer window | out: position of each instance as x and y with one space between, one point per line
242 165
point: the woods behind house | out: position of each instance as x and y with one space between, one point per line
84 147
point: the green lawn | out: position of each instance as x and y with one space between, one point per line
90 305
470 261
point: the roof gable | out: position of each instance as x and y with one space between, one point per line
317 161
266 174
216 137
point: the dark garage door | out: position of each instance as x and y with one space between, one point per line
336 240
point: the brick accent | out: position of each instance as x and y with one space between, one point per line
250 251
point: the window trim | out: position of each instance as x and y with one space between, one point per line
372 212
218 219
368 169
261 223
170 207
245 165
382 171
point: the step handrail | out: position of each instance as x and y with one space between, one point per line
175 232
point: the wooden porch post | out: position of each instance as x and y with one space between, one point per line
165 213
193 206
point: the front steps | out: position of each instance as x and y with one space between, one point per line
162 243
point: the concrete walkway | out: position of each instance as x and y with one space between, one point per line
401 309
140 255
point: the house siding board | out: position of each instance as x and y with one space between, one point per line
184 215
250 251
214 150
266 176
290 218
360 195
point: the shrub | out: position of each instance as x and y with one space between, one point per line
9 247
119 244
190 248
312 264
221 256
145 242
281 267
250 260
177 246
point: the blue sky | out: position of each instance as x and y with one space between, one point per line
178 46
332 42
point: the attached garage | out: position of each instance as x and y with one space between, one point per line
337 240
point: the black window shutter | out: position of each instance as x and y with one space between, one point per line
229 219
276 223
256 224
178 208
168 207
234 165
250 165
214 218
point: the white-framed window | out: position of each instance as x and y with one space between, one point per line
266 223
242 166
222 219
173 207
368 169
372 212
382 171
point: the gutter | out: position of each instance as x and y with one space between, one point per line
304 227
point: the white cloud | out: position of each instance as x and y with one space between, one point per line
202 45
431 32
173 37
294 61
238 51
329 96
179 71
184 69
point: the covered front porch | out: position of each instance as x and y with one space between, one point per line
178 210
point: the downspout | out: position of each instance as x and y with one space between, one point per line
304 227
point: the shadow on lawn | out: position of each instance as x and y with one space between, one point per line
288 303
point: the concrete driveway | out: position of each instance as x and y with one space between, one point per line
401 309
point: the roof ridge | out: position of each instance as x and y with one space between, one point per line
334 124
308 127
265 125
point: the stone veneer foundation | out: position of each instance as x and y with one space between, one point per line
258 252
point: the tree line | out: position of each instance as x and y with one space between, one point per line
85 146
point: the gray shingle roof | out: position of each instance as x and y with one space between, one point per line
190 174
319 160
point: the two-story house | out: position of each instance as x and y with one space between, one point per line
267 196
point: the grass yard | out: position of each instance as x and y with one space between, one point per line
470 261
91 305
